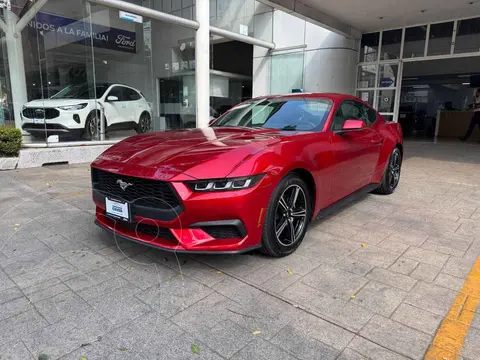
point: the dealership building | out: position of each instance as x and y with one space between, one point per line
181 63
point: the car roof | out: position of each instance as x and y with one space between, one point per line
332 96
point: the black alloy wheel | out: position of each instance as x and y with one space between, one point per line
287 217
391 177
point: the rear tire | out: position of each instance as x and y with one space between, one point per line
287 218
391 176
144 123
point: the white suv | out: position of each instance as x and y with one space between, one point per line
76 110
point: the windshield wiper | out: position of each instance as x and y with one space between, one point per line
289 128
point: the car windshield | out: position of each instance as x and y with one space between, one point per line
81 91
289 114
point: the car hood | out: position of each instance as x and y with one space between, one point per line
50 103
198 153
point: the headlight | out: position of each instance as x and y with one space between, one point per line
73 107
226 184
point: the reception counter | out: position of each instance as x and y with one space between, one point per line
454 124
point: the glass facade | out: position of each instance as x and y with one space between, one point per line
382 55
436 39
78 68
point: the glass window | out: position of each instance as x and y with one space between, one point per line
233 15
367 96
287 73
296 114
440 40
468 36
386 101
414 45
391 44
369 47
185 8
117 91
387 76
232 81
371 116
82 91
366 76
349 110
130 94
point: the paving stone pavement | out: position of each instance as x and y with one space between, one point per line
68 290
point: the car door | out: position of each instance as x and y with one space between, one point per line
355 152
116 110
135 103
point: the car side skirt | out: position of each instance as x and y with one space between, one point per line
342 203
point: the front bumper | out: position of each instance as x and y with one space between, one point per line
220 222
67 122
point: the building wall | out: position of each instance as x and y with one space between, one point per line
329 59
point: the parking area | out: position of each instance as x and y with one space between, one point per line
374 280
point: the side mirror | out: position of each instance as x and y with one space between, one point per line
112 98
354 125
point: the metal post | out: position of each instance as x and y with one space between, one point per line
427 39
454 36
202 63
102 123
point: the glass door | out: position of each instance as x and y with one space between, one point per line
379 85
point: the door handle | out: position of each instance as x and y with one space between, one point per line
375 142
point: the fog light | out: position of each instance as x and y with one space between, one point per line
76 117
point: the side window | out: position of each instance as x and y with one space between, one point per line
347 110
130 94
372 116
117 91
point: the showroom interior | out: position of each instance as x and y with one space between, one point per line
421 75
72 43
424 77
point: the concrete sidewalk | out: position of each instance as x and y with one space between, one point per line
373 281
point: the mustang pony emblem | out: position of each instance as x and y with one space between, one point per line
123 185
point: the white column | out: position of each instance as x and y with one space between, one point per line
16 66
202 63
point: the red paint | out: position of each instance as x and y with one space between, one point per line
340 164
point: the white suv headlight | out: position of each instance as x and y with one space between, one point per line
73 107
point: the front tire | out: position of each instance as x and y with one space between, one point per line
92 127
287 218
391 177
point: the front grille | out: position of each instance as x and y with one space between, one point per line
40 113
222 232
152 230
142 192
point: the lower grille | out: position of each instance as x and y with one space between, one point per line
40 113
42 127
222 232
152 230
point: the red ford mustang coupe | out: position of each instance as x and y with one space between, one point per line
254 179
